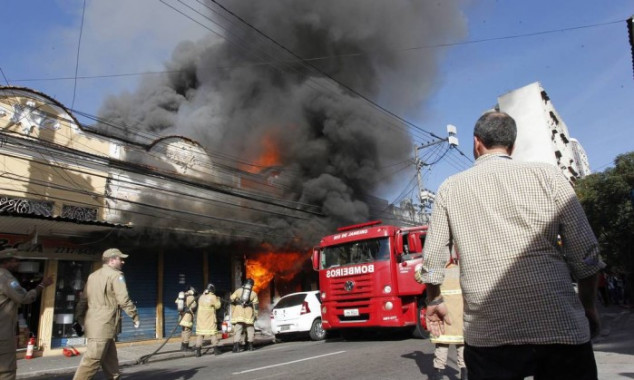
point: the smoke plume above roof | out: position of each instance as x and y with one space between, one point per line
332 147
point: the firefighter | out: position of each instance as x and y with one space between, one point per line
186 305
206 324
12 295
244 314
452 295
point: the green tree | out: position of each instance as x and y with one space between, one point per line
608 200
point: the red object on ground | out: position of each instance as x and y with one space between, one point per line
29 348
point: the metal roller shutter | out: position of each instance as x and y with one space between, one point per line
220 276
181 270
141 277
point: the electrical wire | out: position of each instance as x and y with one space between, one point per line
81 31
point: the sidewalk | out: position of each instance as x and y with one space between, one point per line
129 354
614 347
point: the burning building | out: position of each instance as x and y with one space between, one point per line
257 141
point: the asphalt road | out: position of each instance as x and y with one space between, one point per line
363 359
334 359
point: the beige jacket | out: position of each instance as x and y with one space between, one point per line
206 323
190 308
452 294
244 314
99 307
12 295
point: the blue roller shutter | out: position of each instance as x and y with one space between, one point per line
220 276
182 268
141 277
220 271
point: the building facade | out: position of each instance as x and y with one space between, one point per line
66 194
542 135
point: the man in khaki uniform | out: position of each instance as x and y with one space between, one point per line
244 313
187 315
12 295
452 295
99 311
206 324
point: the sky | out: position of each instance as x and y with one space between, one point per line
578 51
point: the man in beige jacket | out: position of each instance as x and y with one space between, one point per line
99 311
244 313
206 324
12 295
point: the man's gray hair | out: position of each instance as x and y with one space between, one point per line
496 129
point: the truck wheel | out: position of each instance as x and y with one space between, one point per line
317 331
421 325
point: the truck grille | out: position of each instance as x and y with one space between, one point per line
345 288
352 293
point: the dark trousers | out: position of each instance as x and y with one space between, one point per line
543 361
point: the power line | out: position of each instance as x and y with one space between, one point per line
81 30
345 55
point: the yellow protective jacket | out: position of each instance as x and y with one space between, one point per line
452 294
190 308
99 307
12 295
206 323
247 313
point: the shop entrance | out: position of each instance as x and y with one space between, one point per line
71 278
29 274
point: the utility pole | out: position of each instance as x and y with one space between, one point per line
426 197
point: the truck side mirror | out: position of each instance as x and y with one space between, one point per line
315 258
414 243
398 243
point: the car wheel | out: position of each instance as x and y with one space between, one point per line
317 331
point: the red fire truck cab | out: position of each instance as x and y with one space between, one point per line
366 277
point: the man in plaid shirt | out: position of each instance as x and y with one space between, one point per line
522 316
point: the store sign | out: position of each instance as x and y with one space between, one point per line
47 248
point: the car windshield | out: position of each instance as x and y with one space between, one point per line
357 252
289 301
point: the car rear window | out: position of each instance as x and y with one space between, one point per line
289 301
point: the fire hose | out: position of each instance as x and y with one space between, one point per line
144 359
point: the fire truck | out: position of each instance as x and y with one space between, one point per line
366 278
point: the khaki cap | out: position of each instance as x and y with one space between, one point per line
113 252
10 253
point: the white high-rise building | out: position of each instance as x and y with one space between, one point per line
542 134
581 158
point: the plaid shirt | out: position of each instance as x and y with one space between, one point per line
504 218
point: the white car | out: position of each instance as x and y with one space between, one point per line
298 313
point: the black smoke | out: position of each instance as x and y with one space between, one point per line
334 147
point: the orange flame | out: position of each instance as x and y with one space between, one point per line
270 156
263 267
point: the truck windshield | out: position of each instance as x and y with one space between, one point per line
357 252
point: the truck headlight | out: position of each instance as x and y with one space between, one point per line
388 305
387 289
323 310
323 295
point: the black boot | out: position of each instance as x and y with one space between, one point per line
184 346
438 374
236 347
463 374
198 353
250 346
217 351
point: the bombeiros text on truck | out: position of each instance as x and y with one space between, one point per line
366 278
